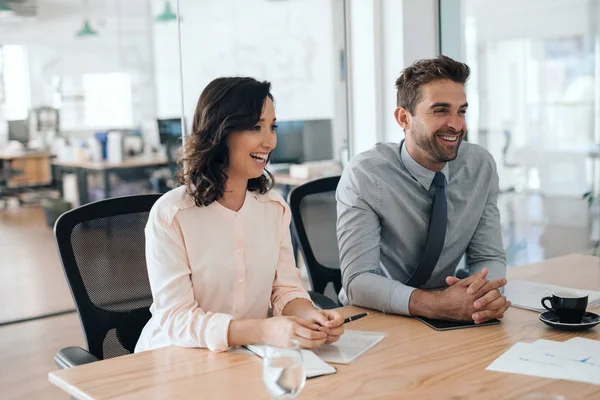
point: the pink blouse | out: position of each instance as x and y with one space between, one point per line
209 265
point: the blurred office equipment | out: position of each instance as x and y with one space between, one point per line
44 126
169 132
22 172
302 141
18 132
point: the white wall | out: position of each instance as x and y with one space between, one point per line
289 43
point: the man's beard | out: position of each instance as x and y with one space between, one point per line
436 150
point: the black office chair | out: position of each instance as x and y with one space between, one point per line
314 219
102 251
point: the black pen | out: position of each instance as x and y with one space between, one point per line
355 317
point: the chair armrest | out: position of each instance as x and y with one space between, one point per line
72 357
322 302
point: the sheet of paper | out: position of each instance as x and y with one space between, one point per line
581 351
313 365
548 359
528 295
351 345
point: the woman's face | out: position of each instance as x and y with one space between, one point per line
249 149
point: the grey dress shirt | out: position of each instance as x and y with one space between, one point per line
384 200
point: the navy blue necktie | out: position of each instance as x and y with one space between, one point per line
436 234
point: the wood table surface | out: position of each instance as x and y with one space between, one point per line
413 361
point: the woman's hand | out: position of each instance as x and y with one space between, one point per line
287 331
329 321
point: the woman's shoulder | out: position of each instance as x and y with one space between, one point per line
167 206
272 197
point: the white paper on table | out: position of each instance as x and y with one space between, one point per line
313 365
528 294
546 359
350 346
581 351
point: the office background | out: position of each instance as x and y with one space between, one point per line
85 83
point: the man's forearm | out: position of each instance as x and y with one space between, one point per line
496 269
379 293
424 304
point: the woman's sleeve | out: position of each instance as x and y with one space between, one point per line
175 307
287 285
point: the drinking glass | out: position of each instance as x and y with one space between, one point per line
283 372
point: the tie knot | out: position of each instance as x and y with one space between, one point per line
439 180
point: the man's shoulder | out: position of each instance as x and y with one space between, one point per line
367 171
474 156
378 155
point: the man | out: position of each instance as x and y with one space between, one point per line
407 213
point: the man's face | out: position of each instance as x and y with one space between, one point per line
438 124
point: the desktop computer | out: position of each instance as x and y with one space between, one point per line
18 131
290 143
303 141
169 130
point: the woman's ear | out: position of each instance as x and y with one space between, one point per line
403 117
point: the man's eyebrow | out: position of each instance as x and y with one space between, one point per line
446 105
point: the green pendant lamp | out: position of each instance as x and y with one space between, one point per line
4 7
86 30
167 14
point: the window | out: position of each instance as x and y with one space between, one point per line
16 82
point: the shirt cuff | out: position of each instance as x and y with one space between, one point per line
283 300
400 299
217 331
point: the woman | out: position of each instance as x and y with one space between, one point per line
218 247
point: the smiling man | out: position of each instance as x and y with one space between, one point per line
407 213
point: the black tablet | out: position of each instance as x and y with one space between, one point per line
444 325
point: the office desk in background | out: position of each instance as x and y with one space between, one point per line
413 361
34 166
82 168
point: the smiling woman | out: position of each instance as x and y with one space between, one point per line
218 248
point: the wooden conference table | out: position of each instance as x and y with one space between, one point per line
413 361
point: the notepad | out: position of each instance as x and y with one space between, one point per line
528 294
313 365
351 345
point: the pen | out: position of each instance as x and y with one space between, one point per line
355 317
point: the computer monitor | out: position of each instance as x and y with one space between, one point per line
303 141
169 130
290 143
18 131
318 140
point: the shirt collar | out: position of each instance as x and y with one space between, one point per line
423 175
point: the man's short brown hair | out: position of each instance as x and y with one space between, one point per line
424 71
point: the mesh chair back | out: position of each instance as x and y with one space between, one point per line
314 219
102 251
